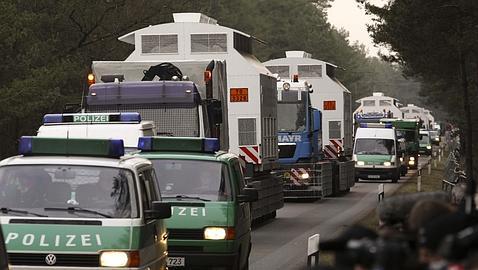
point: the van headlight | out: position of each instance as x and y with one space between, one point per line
429 147
412 158
219 233
387 163
119 258
401 159
360 163
304 176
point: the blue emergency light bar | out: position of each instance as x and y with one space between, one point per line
180 144
41 146
376 125
89 118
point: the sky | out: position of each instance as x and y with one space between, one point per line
349 15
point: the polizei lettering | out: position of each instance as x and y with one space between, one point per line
42 240
90 118
189 211
289 138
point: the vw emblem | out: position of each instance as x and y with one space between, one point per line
50 259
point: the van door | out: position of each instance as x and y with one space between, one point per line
243 213
3 253
154 229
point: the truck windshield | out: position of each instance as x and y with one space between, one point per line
374 147
408 135
193 179
85 191
424 139
291 112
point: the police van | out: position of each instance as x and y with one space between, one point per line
376 152
80 203
126 125
210 225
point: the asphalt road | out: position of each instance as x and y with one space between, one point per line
282 243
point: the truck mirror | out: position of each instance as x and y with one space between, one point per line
160 210
317 120
214 109
248 195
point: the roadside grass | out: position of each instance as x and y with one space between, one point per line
430 182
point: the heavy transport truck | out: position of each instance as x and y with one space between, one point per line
407 131
303 171
334 101
248 99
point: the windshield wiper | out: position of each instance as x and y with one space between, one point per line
6 210
187 197
77 209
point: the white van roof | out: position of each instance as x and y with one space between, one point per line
128 132
382 133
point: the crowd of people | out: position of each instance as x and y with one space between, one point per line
416 231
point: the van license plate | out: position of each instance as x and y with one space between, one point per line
176 261
374 176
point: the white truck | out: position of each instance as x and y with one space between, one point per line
334 101
412 111
250 110
380 105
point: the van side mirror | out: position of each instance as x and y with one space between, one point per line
248 195
160 210
317 120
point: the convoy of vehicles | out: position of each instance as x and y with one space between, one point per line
211 221
223 143
81 203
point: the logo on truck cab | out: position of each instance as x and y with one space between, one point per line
289 138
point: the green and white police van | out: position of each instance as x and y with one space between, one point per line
81 204
210 225
376 153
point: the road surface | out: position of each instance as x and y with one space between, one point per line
282 243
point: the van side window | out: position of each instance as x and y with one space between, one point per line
237 171
148 189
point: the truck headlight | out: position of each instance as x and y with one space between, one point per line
411 162
412 158
360 163
304 176
387 163
429 147
119 258
401 159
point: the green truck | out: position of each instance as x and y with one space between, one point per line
210 225
408 137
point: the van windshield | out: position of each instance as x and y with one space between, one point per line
203 180
374 147
67 191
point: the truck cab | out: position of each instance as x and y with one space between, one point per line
408 134
376 153
126 126
425 142
80 203
210 225
300 144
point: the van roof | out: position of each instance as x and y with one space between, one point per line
384 133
